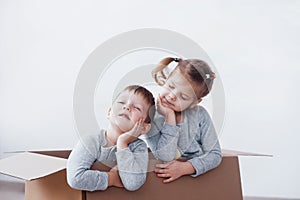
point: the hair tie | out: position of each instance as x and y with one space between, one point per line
210 76
176 59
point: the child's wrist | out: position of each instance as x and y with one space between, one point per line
188 168
110 179
122 143
170 118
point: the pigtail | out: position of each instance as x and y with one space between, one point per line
158 73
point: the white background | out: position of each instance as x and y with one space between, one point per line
254 45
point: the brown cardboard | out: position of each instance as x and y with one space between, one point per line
52 187
220 183
45 175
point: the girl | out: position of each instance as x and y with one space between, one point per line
181 128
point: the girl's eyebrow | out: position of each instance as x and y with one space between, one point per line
187 96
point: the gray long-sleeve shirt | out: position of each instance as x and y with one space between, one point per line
195 139
132 163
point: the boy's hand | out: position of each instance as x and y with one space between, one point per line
166 111
173 170
114 178
139 128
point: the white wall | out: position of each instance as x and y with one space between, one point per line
254 45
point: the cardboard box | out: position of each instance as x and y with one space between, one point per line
45 176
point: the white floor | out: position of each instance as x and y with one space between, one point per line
11 188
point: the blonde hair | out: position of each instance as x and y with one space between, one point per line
196 71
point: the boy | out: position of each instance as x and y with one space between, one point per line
129 117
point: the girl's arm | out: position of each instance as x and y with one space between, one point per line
209 142
132 164
79 175
162 139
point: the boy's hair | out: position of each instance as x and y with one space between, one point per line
194 70
148 97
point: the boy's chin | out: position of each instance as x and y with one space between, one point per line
124 127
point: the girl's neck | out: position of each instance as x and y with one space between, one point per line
179 117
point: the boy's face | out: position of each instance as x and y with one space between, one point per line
128 109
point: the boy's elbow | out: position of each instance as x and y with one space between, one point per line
218 159
73 183
73 180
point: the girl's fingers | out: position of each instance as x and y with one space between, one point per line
165 165
164 175
160 171
168 180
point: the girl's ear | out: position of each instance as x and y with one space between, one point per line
108 113
147 127
196 102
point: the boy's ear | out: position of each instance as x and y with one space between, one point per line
147 127
108 113
196 102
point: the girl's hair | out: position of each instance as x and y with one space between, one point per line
148 97
196 71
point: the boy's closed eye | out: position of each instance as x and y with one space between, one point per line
137 108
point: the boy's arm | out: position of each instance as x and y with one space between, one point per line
132 164
82 157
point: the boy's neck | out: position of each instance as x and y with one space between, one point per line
112 135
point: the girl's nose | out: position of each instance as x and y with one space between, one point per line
172 96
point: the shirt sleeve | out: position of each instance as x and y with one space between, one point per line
132 164
82 157
163 144
212 154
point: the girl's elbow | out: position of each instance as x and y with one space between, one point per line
135 185
132 187
167 157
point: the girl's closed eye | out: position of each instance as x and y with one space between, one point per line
121 102
183 97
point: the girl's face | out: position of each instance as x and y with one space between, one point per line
178 93
127 109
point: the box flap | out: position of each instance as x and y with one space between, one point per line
227 153
29 166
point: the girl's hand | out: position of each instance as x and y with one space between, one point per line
114 178
166 111
139 128
173 170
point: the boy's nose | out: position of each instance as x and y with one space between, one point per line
126 107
